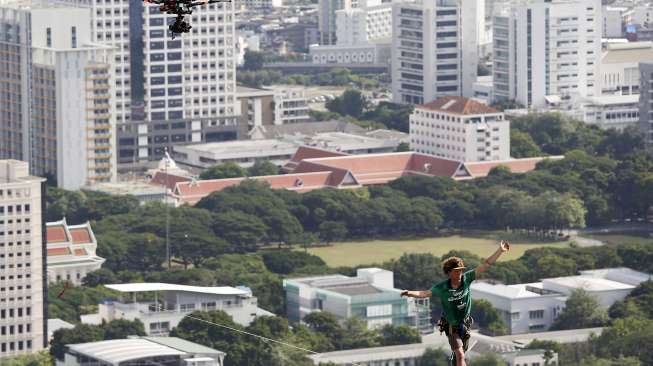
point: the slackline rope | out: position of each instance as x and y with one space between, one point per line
261 337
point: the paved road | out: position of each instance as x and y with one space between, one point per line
577 235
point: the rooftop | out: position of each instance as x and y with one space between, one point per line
560 336
520 291
587 283
458 105
117 351
184 345
146 287
632 52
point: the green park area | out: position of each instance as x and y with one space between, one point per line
378 251
621 239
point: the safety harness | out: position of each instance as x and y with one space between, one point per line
462 329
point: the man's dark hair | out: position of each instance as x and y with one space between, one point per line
451 263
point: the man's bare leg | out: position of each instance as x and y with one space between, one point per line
460 357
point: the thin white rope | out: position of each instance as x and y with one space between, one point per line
261 337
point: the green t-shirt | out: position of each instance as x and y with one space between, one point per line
456 303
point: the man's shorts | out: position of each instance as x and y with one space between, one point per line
454 340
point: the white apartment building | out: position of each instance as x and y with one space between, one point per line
544 48
460 129
58 109
172 303
620 67
71 252
434 49
290 106
22 261
646 101
364 24
533 307
168 91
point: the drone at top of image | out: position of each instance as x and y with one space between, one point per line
181 8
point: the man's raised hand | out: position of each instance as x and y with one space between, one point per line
504 246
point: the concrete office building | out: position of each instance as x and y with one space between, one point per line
22 262
434 49
546 48
460 129
370 295
57 105
172 303
614 19
326 21
620 67
646 101
167 91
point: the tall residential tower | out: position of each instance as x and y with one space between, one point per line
546 49
434 49
22 261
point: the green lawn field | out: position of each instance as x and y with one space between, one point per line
377 251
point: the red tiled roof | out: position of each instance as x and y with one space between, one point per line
192 192
482 168
55 234
80 252
80 235
170 181
58 251
308 152
458 105
432 165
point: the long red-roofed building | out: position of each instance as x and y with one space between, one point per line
71 252
310 170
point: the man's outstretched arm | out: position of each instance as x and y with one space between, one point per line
503 247
418 294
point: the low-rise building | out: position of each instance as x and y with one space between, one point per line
71 252
535 306
290 106
646 102
169 351
619 72
373 53
172 303
370 296
461 129
612 111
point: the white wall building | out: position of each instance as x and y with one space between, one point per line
71 252
544 48
169 351
364 53
259 4
22 323
364 24
290 106
620 67
173 304
326 26
642 14
534 306
614 21
434 49
370 295
612 111
168 91
460 129
63 120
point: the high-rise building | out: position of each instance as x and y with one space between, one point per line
22 264
56 94
646 101
546 48
460 129
364 24
434 49
168 91
326 26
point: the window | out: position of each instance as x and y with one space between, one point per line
536 314
48 37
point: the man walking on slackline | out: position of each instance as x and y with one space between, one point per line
456 299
